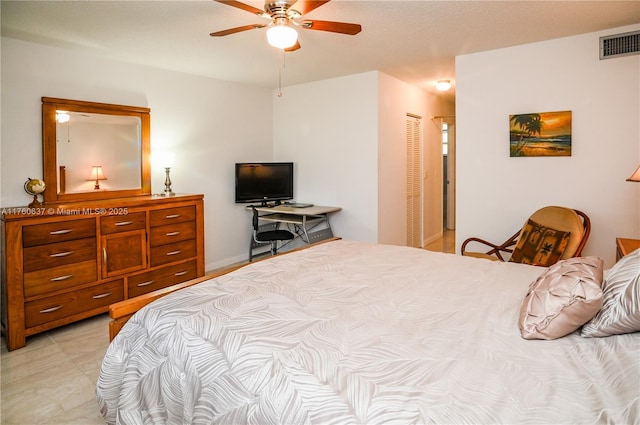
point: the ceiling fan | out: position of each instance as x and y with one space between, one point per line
283 17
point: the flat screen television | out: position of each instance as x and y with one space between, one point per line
264 182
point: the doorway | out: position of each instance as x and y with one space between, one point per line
448 174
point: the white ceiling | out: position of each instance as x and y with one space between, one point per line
415 41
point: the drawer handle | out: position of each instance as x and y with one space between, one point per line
51 310
61 232
105 295
173 233
147 283
124 223
174 252
172 216
61 254
59 278
181 273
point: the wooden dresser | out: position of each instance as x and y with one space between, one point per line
66 262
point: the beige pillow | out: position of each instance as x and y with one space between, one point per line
562 299
621 310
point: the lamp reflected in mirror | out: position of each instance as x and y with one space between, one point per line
96 175
635 177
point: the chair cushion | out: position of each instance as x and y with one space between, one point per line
274 235
562 299
621 310
539 245
566 220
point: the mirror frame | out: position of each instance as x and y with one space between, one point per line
49 148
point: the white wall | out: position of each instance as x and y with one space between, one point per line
209 124
398 98
347 137
496 193
329 129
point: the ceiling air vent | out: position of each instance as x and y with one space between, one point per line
613 46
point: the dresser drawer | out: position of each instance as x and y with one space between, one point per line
172 215
57 278
164 254
70 303
40 234
161 278
58 254
163 235
123 223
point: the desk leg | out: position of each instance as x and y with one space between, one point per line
308 236
304 229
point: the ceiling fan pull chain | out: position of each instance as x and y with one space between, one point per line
280 74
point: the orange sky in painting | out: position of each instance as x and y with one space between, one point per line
556 123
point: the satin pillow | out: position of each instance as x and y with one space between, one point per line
562 299
620 313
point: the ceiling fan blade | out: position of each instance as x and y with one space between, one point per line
237 29
306 6
341 27
293 48
242 6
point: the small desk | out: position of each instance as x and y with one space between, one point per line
310 224
625 246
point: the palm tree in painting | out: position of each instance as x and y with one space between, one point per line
530 124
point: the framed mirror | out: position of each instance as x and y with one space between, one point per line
94 151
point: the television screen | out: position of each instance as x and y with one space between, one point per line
264 182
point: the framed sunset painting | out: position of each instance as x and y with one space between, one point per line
540 134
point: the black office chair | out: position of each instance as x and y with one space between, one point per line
269 236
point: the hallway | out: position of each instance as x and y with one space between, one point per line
447 243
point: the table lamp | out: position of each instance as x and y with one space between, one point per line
635 177
97 175
165 160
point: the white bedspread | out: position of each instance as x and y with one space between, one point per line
356 333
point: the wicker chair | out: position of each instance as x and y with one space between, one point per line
553 217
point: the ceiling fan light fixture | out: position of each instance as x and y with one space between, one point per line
443 85
282 36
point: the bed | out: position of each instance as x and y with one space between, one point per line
350 332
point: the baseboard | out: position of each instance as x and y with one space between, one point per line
433 238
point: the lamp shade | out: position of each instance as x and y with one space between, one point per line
96 173
635 177
282 36
163 159
96 176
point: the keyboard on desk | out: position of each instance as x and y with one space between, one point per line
298 205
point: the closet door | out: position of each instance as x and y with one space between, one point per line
414 181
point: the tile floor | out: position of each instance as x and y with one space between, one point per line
52 380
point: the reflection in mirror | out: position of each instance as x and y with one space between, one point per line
94 151
81 139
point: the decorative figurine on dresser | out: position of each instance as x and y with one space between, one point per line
83 248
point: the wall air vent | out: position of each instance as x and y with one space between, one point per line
613 46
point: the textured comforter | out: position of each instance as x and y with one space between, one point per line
356 333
